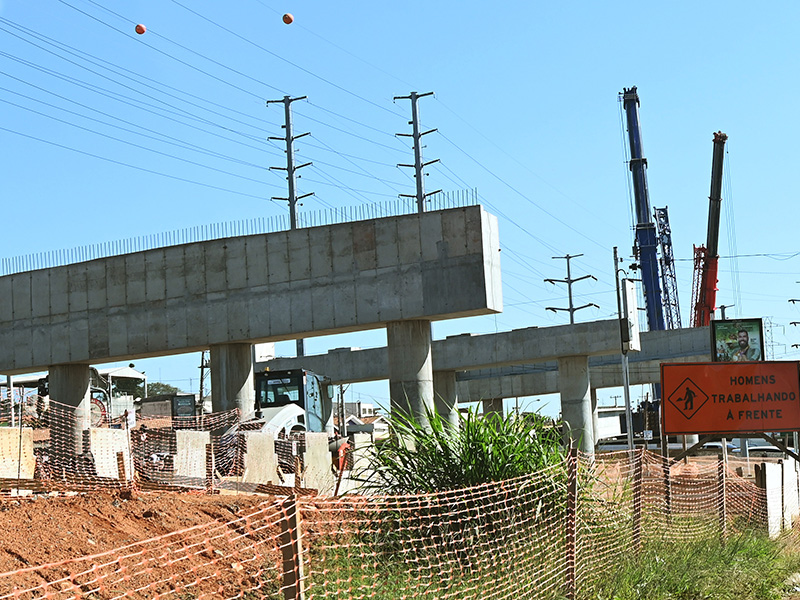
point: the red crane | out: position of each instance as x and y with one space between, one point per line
706 258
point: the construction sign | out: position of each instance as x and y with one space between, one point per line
750 397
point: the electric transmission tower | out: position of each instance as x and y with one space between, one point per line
291 170
418 165
290 167
569 281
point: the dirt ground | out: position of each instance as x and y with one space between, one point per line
47 529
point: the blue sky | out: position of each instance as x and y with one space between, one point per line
108 134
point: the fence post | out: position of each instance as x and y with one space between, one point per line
761 483
291 543
665 465
209 468
572 521
782 463
797 480
298 473
637 500
123 480
723 515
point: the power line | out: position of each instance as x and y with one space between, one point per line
111 137
287 61
120 70
253 79
130 101
124 164
138 131
523 196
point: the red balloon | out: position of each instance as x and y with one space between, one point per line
288 18
140 29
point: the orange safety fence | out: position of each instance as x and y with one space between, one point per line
55 447
551 534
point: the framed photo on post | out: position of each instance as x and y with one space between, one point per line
737 340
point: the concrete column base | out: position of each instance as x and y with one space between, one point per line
493 406
69 410
595 417
232 379
576 401
445 395
410 369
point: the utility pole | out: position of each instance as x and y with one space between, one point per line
569 281
626 388
722 308
10 386
418 165
291 169
204 369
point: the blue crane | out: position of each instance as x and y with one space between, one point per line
646 245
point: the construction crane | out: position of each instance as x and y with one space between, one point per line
669 281
706 258
646 240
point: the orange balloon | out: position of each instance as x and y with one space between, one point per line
140 29
288 18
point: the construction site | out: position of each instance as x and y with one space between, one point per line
266 483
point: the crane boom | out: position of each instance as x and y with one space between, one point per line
707 259
669 281
646 238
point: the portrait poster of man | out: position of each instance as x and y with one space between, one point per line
737 340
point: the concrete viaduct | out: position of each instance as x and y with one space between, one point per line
573 360
400 273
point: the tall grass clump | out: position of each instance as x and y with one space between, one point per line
482 449
748 566
459 500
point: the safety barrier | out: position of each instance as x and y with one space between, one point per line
54 447
552 534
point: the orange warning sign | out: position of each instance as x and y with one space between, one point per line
749 397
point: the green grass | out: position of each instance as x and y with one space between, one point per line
748 567
434 457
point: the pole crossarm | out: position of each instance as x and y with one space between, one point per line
569 281
419 164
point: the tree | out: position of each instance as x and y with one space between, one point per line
156 388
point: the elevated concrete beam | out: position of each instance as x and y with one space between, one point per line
534 344
249 289
679 345
468 352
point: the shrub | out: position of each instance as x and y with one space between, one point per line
482 449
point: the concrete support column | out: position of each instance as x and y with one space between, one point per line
445 396
595 417
410 368
69 411
232 378
576 402
493 405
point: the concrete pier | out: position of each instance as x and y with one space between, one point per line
232 378
70 411
410 368
445 400
493 406
576 401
